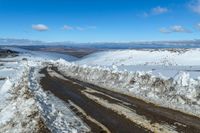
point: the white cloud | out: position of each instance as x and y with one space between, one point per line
195 6
175 28
40 27
155 11
85 28
67 27
144 14
178 28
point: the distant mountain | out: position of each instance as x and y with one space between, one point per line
103 45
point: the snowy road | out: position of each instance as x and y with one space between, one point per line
106 111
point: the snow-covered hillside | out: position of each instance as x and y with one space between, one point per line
168 62
183 57
39 55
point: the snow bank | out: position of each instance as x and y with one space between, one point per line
18 111
181 93
8 81
24 106
56 114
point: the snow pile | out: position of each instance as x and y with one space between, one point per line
18 111
8 81
24 106
10 68
57 115
181 93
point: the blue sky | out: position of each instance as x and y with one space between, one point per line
100 20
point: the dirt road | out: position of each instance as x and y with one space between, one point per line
106 111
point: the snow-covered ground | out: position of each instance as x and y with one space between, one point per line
155 76
18 113
24 106
166 62
166 57
57 115
39 55
168 78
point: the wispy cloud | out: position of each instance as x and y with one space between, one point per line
155 11
40 27
91 27
67 27
79 28
175 28
195 6
159 10
179 28
165 30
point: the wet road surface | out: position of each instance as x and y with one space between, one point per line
106 111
